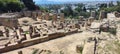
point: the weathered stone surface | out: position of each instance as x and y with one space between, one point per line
102 15
62 17
54 17
93 14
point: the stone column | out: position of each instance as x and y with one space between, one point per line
93 14
62 17
43 16
39 15
73 26
34 15
54 17
90 20
14 23
3 32
47 16
85 25
31 31
81 18
102 15
7 32
34 30
27 13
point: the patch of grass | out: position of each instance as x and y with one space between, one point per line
81 49
49 52
35 51
99 47
113 31
109 47
117 44
118 22
61 52
26 32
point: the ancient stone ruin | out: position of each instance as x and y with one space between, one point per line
34 27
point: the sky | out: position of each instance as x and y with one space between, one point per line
63 1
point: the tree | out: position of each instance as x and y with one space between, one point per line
30 4
43 9
111 4
111 7
91 7
10 5
68 11
79 8
84 9
55 7
14 6
102 6
2 6
118 3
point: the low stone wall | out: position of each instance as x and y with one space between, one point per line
9 22
23 44
56 35
33 41
71 32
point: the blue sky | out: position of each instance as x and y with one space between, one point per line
62 1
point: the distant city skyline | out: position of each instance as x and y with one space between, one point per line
64 1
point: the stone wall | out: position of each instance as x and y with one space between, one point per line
54 17
102 15
93 14
47 16
62 17
9 22
34 41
